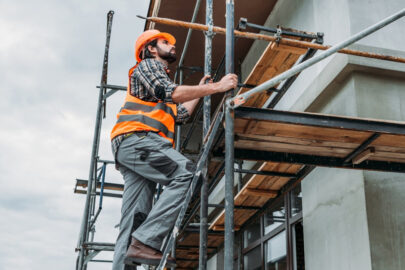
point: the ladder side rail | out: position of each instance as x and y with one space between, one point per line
201 161
84 230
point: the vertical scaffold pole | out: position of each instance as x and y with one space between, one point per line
86 220
178 143
229 138
206 126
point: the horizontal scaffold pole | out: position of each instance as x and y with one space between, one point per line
283 41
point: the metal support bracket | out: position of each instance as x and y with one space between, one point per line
242 23
319 37
278 34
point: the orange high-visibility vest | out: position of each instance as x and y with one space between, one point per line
140 115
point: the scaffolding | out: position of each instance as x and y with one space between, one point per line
289 145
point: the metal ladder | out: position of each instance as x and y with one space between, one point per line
199 167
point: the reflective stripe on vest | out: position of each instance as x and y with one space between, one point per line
139 115
148 121
141 107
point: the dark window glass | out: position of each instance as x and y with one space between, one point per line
276 252
252 233
298 248
253 260
236 245
274 217
296 200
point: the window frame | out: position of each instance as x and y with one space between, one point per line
287 226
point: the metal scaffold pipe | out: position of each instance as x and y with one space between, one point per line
84 229
283 41
229 141
242 98
202 261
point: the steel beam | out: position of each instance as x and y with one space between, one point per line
322 161
319 120
362 147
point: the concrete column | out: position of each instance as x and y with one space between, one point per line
355 219
335 220
385 196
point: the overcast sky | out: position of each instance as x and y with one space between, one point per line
50 63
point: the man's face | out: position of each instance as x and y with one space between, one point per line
166 50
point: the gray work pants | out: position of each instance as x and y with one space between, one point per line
146 159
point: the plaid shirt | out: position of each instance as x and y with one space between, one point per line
150 82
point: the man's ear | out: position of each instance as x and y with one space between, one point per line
152 49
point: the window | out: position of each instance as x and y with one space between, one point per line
298 246
274 217
296 200
253 260
276 252
252 233
275 240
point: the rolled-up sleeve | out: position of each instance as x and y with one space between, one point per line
182 114
153 76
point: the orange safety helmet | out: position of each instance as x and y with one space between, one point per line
148 36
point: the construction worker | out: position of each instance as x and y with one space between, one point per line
142 143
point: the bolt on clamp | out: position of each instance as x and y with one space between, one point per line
210 33
278 34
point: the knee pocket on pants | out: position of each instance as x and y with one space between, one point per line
190 167
163 164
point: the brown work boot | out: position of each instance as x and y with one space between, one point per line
139 253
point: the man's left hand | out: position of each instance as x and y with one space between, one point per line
206 77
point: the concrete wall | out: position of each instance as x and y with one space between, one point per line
338 20
335 220
352 219
373 232
386 218
334 205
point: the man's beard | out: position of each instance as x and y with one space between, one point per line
168 56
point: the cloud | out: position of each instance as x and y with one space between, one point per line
50 62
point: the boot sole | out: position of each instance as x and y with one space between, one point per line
139 261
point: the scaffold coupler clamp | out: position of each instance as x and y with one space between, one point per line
236 102
242 23
319 38
210 33
278 34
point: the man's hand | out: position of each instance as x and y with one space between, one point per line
229 81
184 93
204 79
